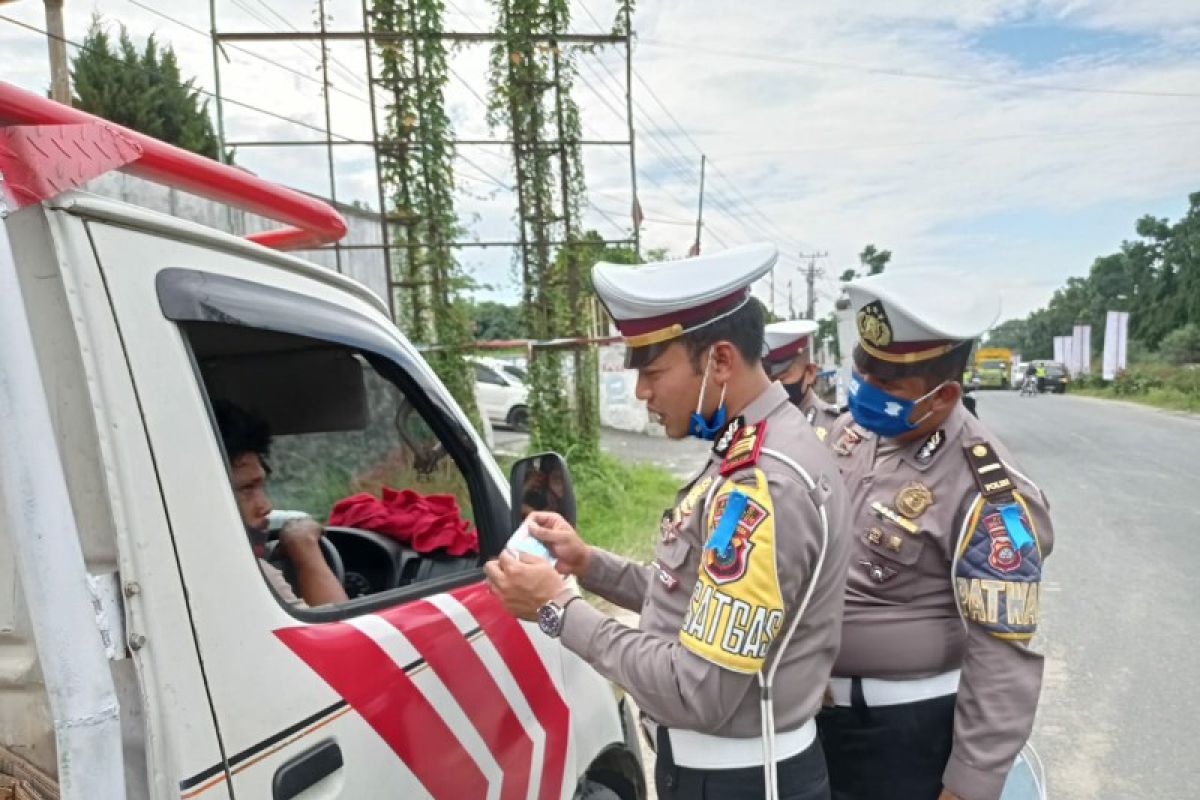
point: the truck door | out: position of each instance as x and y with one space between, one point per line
419 685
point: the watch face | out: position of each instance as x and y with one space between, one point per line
550 619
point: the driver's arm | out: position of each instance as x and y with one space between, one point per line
300 540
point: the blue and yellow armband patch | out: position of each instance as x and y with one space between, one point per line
736 609
999 570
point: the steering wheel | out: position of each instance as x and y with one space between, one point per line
333 558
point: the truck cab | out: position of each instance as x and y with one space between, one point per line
993 367
203 681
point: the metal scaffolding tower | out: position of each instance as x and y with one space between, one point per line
396 230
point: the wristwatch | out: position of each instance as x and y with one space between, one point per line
550 616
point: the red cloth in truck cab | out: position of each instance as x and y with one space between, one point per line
423 522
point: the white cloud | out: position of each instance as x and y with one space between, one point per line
895 128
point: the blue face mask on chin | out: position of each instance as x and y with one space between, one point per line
707 429
880 412
698 426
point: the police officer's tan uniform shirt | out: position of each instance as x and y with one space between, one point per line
821 415
705 630
921 534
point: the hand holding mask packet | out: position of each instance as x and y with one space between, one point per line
522 541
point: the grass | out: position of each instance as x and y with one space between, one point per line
620 505
1167 398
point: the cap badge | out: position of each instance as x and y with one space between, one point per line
873 325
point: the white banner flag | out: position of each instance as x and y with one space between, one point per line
1116 334
1060 353
1083 350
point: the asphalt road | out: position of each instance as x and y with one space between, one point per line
1120 710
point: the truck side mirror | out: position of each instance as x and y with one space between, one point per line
541 483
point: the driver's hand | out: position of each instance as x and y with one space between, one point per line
561 540
301 538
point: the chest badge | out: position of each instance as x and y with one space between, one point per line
878 573
913 499
668 527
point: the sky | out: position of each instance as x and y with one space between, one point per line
1009 141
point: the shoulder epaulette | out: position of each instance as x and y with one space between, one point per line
989 473
745 448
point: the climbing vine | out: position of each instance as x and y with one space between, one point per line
531 77
417 167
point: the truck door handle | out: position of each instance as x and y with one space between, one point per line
302 771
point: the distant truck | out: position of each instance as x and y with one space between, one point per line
993 367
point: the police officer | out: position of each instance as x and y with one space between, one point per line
935 687
746 588
788 359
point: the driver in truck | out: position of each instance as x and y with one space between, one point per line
247 441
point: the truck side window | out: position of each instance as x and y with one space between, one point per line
346 448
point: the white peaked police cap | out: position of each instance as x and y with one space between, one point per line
910 316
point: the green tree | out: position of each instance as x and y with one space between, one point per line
417 167
496 321
1155 277
1182 345
531 77
141 90
874 260
1010 333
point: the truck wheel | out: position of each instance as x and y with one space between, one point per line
589 789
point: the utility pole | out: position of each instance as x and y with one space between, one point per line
56 42
627 13
700 209
810 277
216 57
772 291
791 301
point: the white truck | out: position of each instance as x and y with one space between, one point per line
142 653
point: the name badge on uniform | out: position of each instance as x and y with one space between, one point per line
665 577
883 512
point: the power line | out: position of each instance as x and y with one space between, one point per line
188 85
247 51
779 233
346 71
678 161
928 76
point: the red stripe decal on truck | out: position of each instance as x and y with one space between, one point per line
384 694
539 688
441 644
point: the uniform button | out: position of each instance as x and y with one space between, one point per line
670 781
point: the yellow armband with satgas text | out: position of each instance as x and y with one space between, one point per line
736 610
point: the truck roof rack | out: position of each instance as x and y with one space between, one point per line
310 222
